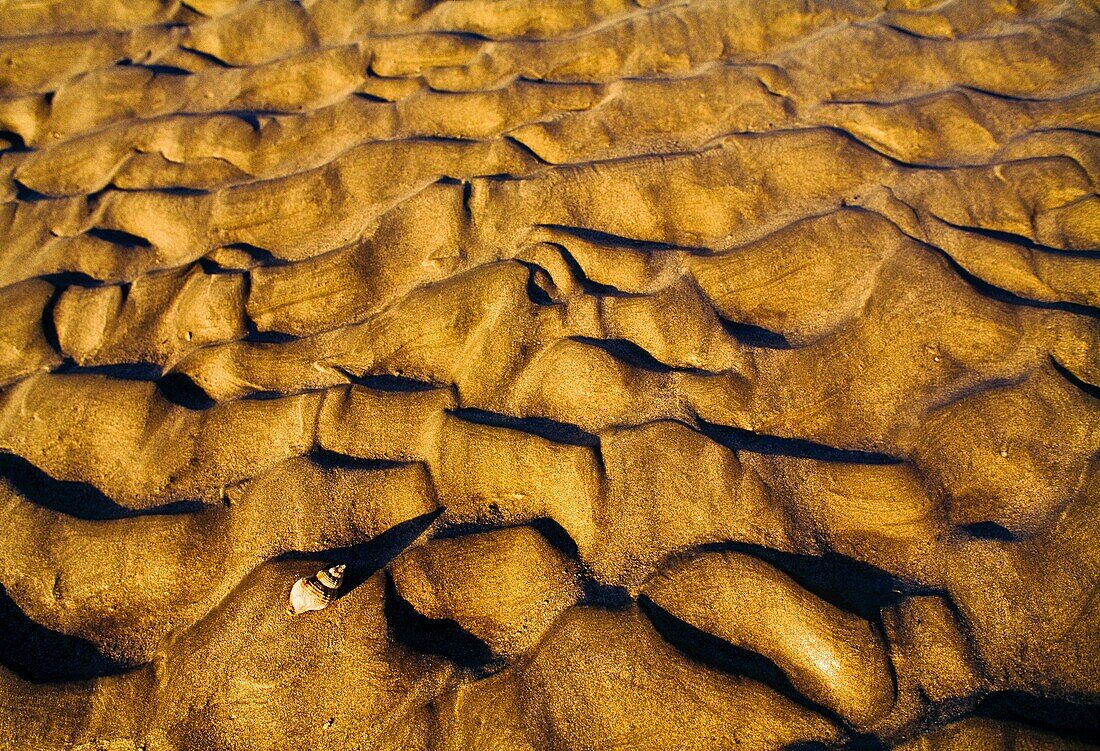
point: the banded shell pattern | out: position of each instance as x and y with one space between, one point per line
317 591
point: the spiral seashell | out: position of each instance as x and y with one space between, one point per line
317 591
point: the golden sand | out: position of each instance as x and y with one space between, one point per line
667 375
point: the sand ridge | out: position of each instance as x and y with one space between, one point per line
704 375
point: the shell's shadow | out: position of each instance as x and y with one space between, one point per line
365 558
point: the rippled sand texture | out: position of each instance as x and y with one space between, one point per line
669 375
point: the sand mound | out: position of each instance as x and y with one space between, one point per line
668 375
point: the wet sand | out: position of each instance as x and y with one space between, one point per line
667 375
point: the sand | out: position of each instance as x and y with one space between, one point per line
701 375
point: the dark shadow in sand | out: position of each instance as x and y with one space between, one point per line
548 528
718 653
754 336
739 439
326 459
849 584
77 499
635 356
1076 718
40 655
543 427
437 636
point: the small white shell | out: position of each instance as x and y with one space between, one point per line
317 591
